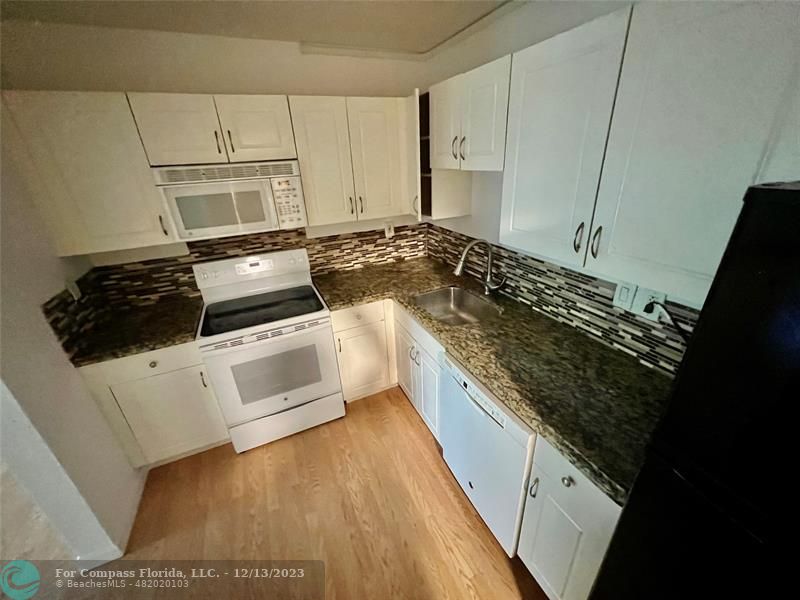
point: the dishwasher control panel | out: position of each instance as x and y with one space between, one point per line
476 395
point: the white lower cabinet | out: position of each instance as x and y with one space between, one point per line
171 414
159 404
566 527
418 374
360 337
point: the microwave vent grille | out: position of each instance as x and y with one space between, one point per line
174 175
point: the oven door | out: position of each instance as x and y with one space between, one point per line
266 377
221 208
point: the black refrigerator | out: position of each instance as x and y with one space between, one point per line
710 512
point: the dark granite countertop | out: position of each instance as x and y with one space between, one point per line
131 330
597 405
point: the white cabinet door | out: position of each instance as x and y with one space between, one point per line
256 127
428 389
484 108
375 148
562 94
363 360
445 125
323 149
172 413
411 147
705 93
404 345
179 129
566 529
83 159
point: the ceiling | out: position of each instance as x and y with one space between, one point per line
415 26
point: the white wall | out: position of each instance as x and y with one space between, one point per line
69 57
73 57
515 30
39 375
54 502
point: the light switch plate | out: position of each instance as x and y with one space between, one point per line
388 229
642 298
623 295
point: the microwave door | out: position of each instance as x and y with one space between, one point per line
218 209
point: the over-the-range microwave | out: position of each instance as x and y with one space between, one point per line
207 201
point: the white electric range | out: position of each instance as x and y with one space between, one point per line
266 339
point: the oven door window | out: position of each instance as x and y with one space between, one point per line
277 374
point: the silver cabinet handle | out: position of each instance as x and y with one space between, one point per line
161 222
216 139
596 241
411 354
568 481
534 489
461 147
340 345
203 379
230 139
453 147
153 364
414 204
351 204
361 200
578 239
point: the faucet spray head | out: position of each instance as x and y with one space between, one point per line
459 268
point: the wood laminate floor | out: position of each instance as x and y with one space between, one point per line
368 494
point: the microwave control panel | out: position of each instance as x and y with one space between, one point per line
289 202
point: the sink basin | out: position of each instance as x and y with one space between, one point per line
455 306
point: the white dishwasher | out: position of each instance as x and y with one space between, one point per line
488 449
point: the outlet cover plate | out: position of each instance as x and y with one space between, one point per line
642 298
623 295
388 229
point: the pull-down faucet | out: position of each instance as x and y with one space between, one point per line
488 284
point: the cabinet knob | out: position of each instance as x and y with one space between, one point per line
567 481
153 364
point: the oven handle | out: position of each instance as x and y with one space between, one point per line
210 351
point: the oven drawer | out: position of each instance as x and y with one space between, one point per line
355 316
155 362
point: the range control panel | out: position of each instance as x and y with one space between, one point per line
289 202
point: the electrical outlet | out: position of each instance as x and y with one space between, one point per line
642 298
623 295
73 289
388 229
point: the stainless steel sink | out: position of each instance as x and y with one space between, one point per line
455 306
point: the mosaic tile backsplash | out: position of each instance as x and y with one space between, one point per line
574 298
124 287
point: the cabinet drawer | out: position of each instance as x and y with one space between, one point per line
151 363
357 315
548 460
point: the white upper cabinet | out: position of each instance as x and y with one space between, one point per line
445 123
375 129
354 157
82 158
560 104
484 107
179 129
468 119
323 149
707 106
256 127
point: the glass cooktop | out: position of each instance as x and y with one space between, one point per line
259 309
